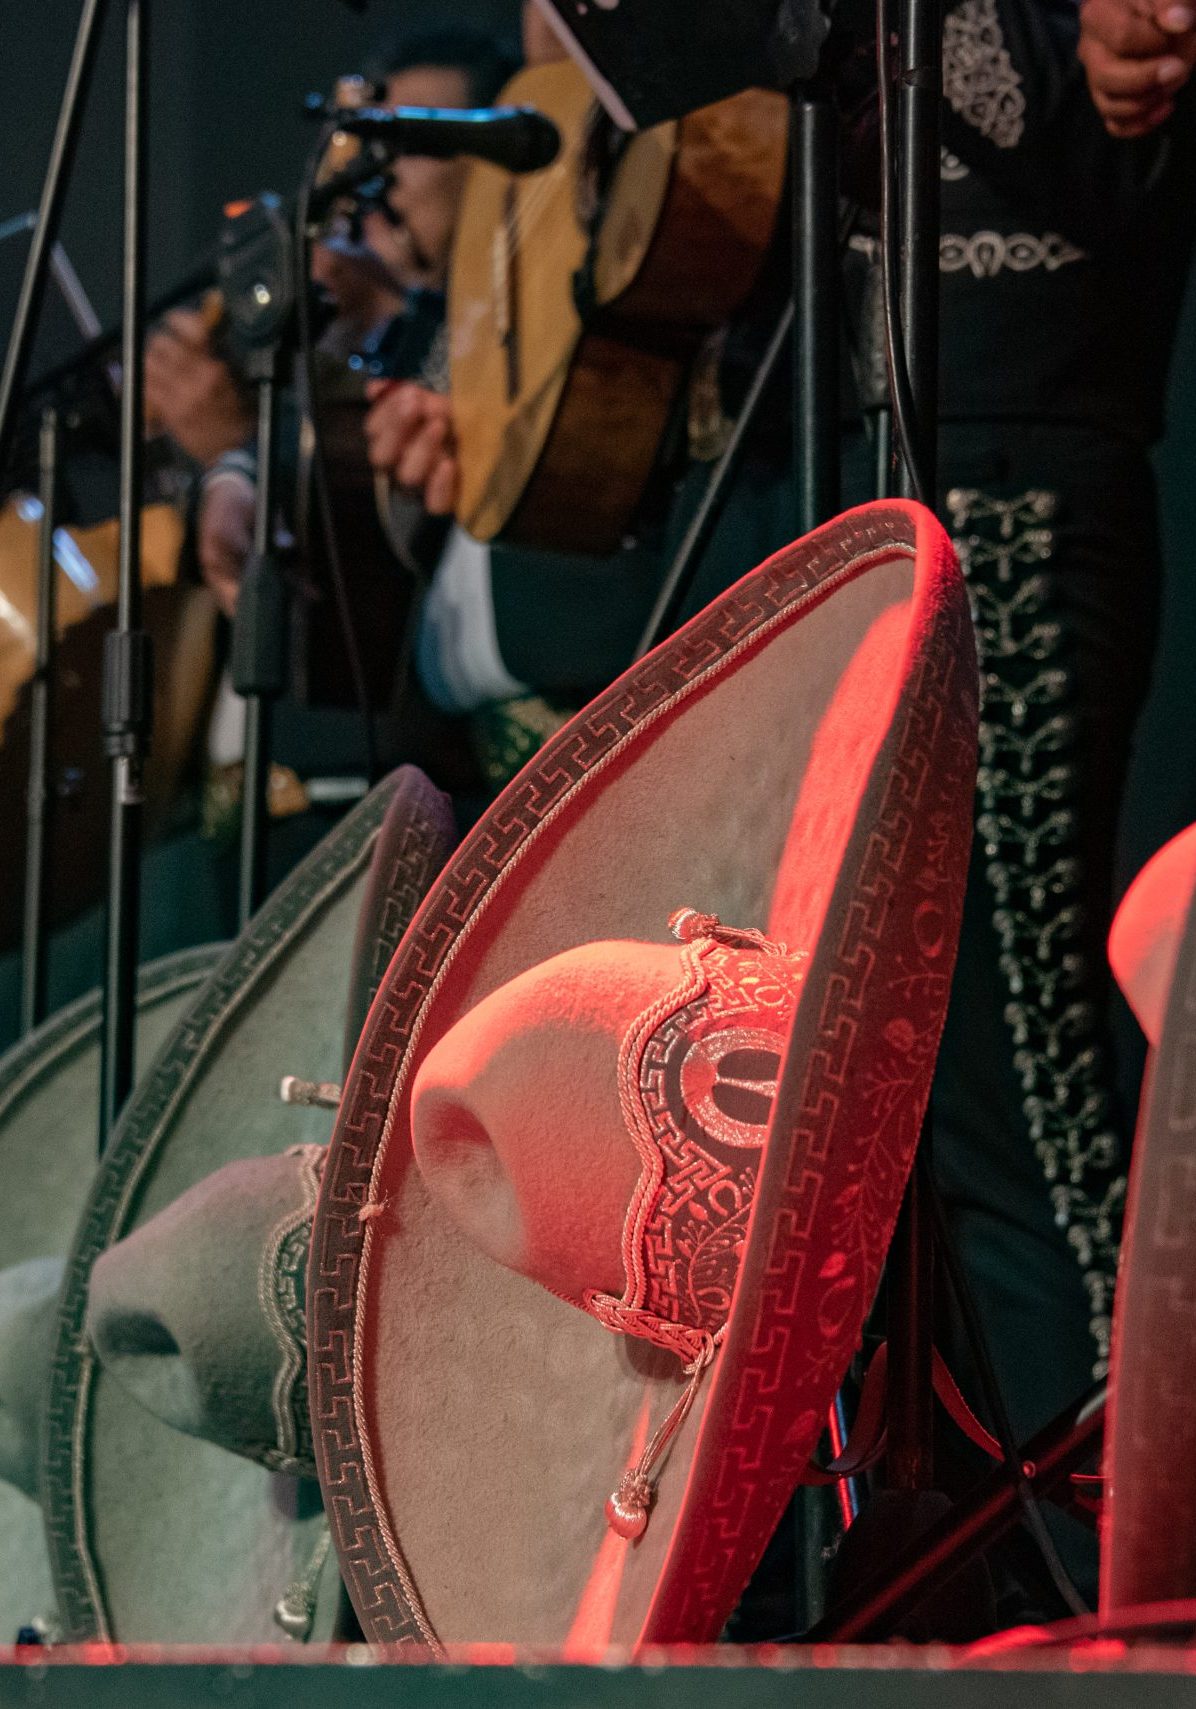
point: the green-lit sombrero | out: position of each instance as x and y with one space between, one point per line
49 1108
158 1533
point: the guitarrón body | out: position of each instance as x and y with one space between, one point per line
570 336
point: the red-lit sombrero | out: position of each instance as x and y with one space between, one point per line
1148 1539
626 1133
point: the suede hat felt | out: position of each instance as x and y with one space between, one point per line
157 1534
1148 1538
616 1192
49 1112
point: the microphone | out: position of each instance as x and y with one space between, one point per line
519 139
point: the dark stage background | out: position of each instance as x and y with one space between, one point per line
228 78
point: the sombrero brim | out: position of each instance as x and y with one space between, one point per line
1147 929
1148 1537
800 758
49 1116
156 1535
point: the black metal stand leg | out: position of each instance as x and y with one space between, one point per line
934 1557
909 1462
45 232
919 93
815 192
128 662
680 571
679 577
909 1456
39 799
259 649
883 452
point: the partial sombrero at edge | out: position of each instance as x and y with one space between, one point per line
1148 1535
624 1140
158 1533
49 1123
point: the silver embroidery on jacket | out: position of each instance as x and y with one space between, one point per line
987 253
1026 823
979 79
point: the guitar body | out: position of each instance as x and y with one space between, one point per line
181 621
569 345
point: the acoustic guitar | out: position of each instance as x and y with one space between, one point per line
580 294
181 620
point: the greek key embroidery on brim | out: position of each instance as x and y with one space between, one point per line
1026 823
282 1285
980 80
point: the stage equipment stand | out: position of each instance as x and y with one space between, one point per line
49 213
814 169
909 1460
931 1560
40 799
813 308
128 657
259 642
257 273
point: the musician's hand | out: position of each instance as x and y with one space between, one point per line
358 283
1137 55
409 433
190 393
224 536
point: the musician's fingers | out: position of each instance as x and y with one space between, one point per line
163 357
1134 79
375 389
1123 31
386 436
1139 125
422 454
1124 109
189 327
440 490
395 420
1176 18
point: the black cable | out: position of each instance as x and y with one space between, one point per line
994 1401
905 415
319 464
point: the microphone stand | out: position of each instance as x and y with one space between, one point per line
128 657
49 214
40 798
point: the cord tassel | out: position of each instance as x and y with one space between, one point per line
295 1610
317 1094
627 1509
